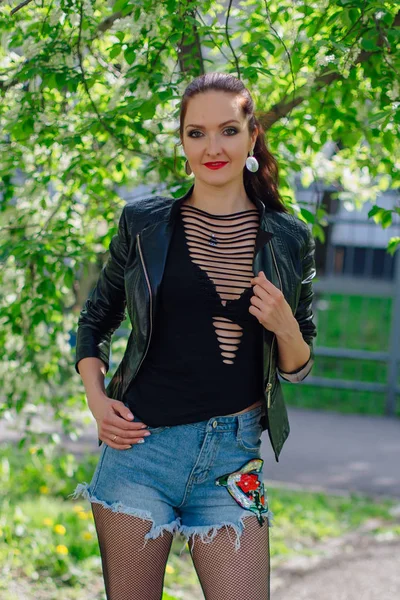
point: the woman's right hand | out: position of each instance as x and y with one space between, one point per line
113 418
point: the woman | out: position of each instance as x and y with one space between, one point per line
218 289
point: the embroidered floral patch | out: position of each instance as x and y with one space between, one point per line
246 488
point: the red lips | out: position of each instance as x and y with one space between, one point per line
215 165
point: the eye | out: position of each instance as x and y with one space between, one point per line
190 134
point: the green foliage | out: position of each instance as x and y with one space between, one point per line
42 535
89 95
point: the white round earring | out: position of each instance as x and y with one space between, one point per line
252 162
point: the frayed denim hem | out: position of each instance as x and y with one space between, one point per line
208 532
83 489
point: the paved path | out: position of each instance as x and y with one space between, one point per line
371 574
337 453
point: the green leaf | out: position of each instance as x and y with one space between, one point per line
309 216
130 55
386 219
394 243
370 41
121 5
374 211
60 80
388 140
115 50
22 441
28 125
268 45
318 232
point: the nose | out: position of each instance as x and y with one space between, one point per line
213 146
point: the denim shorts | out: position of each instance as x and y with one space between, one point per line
188 479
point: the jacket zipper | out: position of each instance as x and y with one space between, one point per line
151 300
269 384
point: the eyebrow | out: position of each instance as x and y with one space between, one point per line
220 125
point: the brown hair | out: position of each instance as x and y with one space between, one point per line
264 182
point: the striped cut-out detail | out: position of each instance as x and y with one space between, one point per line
222 246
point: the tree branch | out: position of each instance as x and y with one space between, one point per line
281 109
24 3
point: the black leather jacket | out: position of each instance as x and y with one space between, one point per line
131 279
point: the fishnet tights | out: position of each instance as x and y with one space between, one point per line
134 572
227 574
130 571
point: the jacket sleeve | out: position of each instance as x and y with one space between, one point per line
304 314
104 310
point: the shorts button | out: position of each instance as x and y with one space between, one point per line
214 424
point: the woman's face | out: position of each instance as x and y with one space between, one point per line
215 130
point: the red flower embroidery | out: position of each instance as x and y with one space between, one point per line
246 489
248 483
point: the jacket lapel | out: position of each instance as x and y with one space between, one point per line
155 240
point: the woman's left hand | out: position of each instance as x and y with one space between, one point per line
269 306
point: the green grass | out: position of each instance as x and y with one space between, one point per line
354 321
48 544
305 518
351 322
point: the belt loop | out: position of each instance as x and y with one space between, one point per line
239 425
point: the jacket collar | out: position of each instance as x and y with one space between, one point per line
263 234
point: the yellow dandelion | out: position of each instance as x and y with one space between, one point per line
44 489
87 535
33 449
78 508
48 521
59 529
49 468
61 549
169 569
16 551
83 515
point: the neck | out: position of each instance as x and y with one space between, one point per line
223 200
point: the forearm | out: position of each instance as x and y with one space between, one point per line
293 351
92 371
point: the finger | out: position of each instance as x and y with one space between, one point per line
124 437
260 292
121 409
253 310
120 423
260 275
126 433
260 278
257 302
265 283
117 446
